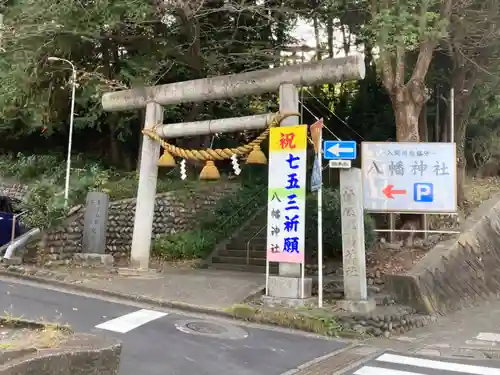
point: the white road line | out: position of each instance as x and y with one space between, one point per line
438 365
128 322
488 336
369 370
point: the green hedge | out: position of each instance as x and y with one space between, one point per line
231 212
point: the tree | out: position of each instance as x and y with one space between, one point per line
119 44
473 46
406 34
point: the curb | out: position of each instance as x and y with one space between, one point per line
179 306
122 296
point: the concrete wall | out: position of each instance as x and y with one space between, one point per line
459 272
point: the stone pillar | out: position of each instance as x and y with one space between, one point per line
287 288
353 243
146 192
95 223
289 102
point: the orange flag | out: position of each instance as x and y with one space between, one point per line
315 130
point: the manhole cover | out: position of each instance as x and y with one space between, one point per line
205 327
213 329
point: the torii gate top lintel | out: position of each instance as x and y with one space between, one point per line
238 85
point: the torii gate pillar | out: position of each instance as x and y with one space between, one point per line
148 175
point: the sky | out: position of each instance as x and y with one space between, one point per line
304 31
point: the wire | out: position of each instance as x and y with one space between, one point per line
334 114
317 118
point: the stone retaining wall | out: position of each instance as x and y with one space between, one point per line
174 212
458 272
16 191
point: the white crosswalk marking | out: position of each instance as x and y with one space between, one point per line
369 370
488 336
395 364
128 322
438 365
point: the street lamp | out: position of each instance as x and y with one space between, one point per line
72 115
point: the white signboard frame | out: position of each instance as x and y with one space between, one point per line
409 177
286 206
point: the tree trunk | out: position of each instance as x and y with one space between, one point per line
464 79
114 147
407 113
317 37
437 118
461 122
423 129
329 26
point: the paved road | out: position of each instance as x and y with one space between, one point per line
391 363
472 332
166 342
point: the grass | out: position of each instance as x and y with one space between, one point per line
51 335
319 322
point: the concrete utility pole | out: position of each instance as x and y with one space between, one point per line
216 88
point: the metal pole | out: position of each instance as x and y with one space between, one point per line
70 137
71 117
452 115
320 220
302 279
1 33
267 276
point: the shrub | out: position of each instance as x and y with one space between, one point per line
44 200
192 244
45 175
230 213
25 168
332 229
44 203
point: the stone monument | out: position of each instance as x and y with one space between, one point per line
95 223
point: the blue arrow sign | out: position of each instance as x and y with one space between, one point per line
336 150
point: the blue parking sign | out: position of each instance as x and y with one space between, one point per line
423 192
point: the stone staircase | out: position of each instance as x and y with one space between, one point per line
232 254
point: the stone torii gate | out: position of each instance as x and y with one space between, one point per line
257 82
